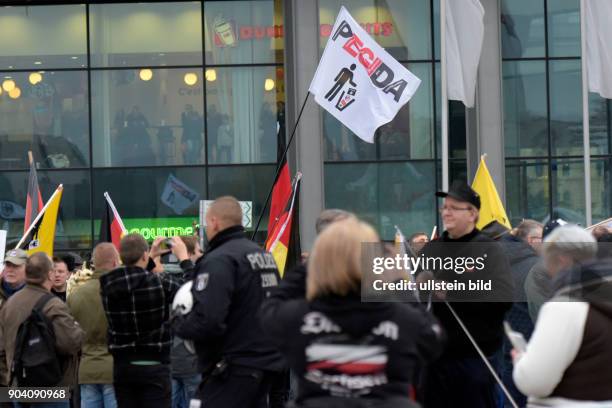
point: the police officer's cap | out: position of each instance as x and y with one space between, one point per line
459 190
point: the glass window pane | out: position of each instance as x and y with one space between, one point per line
410 134
564 28
246 183
43 37
384 194
525 124
144 117
402 27
600 123
343 145
149 200
522 28
244 32
527 193
145 34
243 108
601 194
566 107
568 190
73 229
456 124
46 112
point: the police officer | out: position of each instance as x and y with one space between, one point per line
231 281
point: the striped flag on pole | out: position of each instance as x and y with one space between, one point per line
112 228
34 202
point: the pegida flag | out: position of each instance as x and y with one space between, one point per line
41 234
358 82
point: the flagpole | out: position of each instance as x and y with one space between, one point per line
444 92
279 167
39 216
30 157
115 213
586 131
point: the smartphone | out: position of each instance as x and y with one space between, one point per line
166 243
516 338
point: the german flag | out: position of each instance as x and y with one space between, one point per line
284 239
112 228
34 202
281 191
41 234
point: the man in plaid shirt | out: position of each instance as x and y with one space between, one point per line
137 304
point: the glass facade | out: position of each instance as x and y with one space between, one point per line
393 181
139 100
542 91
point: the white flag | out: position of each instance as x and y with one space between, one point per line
359 82
464 35
178 195
598 22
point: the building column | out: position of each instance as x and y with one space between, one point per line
301 60
485 122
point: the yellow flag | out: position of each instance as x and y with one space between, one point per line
491 207
40 238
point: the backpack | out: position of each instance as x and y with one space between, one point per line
36 362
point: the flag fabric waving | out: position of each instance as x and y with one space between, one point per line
111 228
284 241
358 82
598 14
34 202
41 234
464 37
281 192
491 207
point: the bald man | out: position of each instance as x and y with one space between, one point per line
85 303
232 279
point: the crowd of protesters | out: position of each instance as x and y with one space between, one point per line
221 328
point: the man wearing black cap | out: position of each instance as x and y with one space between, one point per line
460 378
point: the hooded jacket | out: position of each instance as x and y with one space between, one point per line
569 354
342 348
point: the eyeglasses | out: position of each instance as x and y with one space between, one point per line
453 209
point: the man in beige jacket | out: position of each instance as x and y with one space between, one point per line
68 334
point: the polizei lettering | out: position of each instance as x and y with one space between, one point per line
381 75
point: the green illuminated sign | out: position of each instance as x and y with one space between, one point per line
151 228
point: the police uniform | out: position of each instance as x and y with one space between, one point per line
237 360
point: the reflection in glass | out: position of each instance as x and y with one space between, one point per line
522 28
74 224
524 92
242 117
49 117
456 123
145 34
43 37
246 183
397 25
601 194
151 193
145 123
601 124
244 32
564 28
566 107
527 193
403 194
568 190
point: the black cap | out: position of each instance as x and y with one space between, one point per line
73 261
459 190
551 226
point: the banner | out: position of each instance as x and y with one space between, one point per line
2 248
178 195
598 15
358 82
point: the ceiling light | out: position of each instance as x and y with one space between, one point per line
146 74
269 84
35 78
15 93
8 85
211 75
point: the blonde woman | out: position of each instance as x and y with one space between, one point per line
345 352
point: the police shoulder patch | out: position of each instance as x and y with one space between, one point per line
202 281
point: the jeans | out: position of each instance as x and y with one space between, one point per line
142 386
184 389
240 387
98 396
